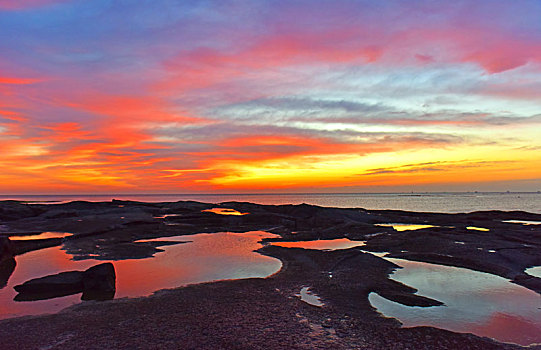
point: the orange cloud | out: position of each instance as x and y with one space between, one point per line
18 81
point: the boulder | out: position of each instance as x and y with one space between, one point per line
96 283
99 282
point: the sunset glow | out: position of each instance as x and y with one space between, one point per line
258 96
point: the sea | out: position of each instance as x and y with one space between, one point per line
442 202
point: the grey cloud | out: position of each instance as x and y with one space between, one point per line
430 167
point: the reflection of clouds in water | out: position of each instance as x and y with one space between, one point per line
322 244
475 228
310 297
509 328
534 271
204 258
406 227
224 211
42 235
523 222
471 298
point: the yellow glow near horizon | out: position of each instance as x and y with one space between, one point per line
459 165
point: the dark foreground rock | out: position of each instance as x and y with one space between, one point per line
7 266
6 248
7 262
99 282
71 280
96 283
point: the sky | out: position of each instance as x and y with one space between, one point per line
164 96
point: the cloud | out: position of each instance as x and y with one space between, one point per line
439 166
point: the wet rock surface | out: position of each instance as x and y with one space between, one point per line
264 313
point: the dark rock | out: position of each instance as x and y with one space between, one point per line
7 266
70 282
24 246
530 282
7 262
6 248
410 299
50 294
14 210
99 282
96 283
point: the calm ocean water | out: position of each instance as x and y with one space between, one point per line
433 202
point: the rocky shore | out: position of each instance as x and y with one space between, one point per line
263 313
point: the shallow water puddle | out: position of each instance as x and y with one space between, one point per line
223 211
534 271
523 222
405 227
322 244
165 216
207 257
475 228
475 302
41 236
309 297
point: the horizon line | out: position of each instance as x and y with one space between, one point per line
256 193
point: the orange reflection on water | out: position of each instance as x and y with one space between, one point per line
224 211
406 227
41 236
322 244
201 258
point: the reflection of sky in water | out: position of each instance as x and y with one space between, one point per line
476 302
224 211
207 257
41 236
534 271
310 297
165 216
475 228
406 227
524 222
322 244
